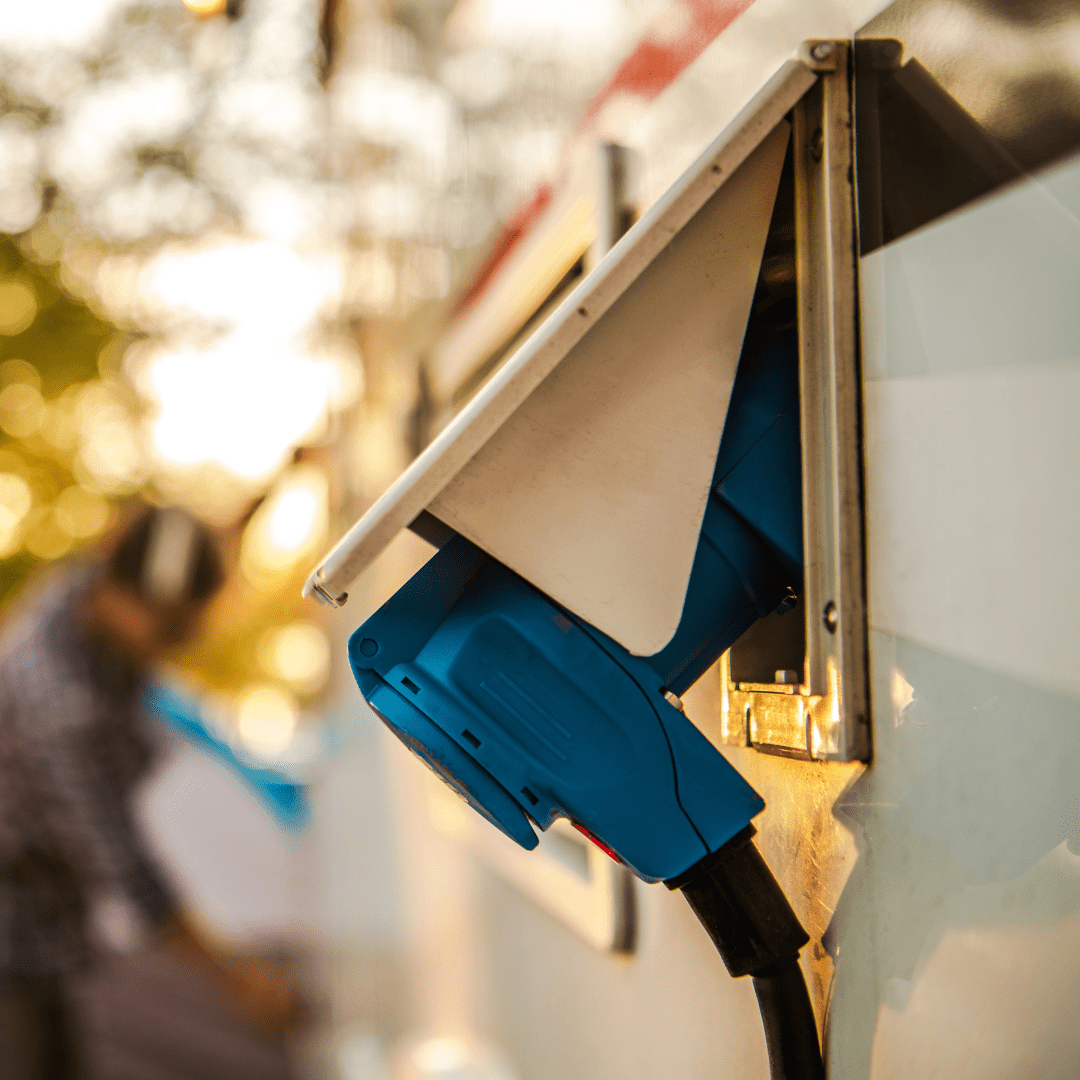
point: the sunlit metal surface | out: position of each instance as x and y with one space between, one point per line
1012 67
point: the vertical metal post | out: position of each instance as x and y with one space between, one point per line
614 200
826 260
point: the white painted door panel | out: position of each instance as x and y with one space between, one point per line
972 416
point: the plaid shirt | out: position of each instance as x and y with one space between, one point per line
74 741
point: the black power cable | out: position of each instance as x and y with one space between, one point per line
790 1028
749 919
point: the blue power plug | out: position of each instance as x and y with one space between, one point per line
532 714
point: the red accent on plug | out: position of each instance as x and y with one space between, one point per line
597 841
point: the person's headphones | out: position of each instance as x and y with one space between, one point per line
166 556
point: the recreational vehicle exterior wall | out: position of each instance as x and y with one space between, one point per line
940 882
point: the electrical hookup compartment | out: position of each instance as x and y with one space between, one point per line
670 466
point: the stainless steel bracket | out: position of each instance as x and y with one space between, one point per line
827 716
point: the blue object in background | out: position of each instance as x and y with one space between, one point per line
284 797
532 714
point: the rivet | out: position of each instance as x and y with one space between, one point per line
822 50
830 617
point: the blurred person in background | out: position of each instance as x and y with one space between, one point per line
76 876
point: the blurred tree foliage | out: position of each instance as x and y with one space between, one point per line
65 339
64 356
63 344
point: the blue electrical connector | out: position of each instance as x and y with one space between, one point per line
532 714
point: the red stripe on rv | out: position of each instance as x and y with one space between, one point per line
657 61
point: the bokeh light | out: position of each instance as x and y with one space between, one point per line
266 720
20 189
265 287
298 653
44 536
206 7
18 306
290 524
241 403
16 498
81 513
22 410
111 457
59 23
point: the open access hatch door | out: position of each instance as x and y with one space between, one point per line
585 462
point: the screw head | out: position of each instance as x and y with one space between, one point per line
823 50
830 617
674 700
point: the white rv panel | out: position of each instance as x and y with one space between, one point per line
972 417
